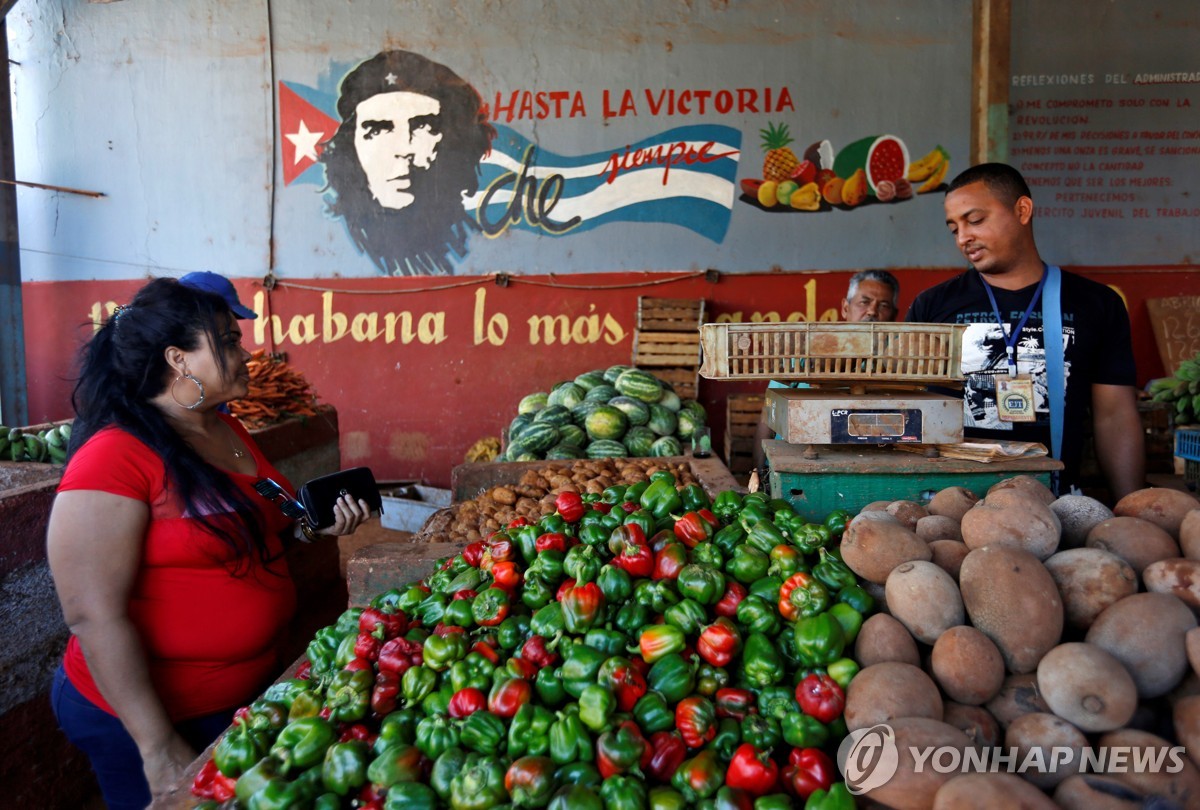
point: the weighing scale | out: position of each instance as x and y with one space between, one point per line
866 392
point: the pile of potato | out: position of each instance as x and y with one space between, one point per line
1027 622
532 496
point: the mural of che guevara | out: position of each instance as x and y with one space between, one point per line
405 155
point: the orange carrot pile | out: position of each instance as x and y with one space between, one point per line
277 391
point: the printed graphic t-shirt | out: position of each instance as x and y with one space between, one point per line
1096 346
209 632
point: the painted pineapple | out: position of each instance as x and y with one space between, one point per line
780 161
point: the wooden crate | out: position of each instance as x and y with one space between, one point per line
669 314
666 349
685 381
742 415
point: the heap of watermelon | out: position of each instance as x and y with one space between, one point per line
618 411
882 157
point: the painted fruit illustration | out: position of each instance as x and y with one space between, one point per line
780 161
936 178
783 192
855 189
806 198
832 190
766 194
881 157
923 169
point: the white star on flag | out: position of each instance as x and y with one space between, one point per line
305 143
391 78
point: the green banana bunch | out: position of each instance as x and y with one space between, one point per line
45 445
1181 390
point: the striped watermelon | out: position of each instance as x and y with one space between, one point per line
533 402
612 372
537 438
640 385
606 422
666 446
671 401
637 411
696 409
518 424
572 434
590 380
638 440
556 415
565 451
687 425
584 409
528 457
566 394
662 421
601 393
605 448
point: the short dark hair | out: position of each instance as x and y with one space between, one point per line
1005 182
880 276
414 240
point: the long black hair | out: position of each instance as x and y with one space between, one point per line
124 366
416 240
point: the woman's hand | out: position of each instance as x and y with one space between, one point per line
165 767
348 515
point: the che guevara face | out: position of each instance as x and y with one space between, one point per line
396 137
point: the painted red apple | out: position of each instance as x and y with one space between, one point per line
824 176
750 185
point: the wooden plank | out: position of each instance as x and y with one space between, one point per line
670 314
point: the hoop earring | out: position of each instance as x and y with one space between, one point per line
199 385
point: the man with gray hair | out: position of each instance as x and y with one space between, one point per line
873 296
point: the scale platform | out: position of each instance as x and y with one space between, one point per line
816 479
858 417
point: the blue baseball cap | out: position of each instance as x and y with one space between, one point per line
217 283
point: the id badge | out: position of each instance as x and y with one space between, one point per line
1014 399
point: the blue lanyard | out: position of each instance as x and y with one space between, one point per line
1010 341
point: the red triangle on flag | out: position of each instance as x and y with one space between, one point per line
302 130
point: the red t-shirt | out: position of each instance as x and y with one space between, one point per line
209 626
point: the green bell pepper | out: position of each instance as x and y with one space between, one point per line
833 572
727 505
659 594
582 564
412 596
776 701
757 616
633 616
279 794
483 733
445 768
548 566
773 801
819 640
480 784
701 776
621 792
767 587
439 652
596 706
752 513
609 642
398 727
838 797
661 498
580 667
256 778
473 671
594 533
849 618
764 536
673 677
529 731
345 767
416 683
286 691
814 537
785 561
239 749
321 653
349 695
643 519
432 609
578 773
705 585
694 498
727 738
548 621
305 704
549 687
709 679
729 538
761 731
810 598
761 664
459 614
747 564
843 671
555 523
803 731
569 738
512 632
302 744
857 597
615 583
666 798
653 713
707 554
836 521
576 797
688 615
436 735
409 796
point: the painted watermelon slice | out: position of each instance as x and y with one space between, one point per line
882 157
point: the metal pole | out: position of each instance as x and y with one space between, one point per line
14 405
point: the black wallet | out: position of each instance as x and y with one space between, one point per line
318 495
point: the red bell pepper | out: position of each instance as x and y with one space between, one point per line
582 607
473 553
381 624
507 575
487 649
735 703
210 783
719 642
821 697
357 731
537 653
752 770
399 654
625 681
520 668
441 629
636 559
659 640
517 523
692 529
668 754
385 693
566 585
808 769
631 506
551 541
359 663
465 702
622 750
624 535
508 695
304 671
696 719
669 560
735 592
787 609
465 593
490 607
502 549
569 505
367 646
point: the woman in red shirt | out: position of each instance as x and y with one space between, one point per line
168 565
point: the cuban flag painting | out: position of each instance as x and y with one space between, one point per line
685 176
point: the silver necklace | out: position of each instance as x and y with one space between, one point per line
237 451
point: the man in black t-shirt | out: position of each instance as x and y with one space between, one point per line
989 210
